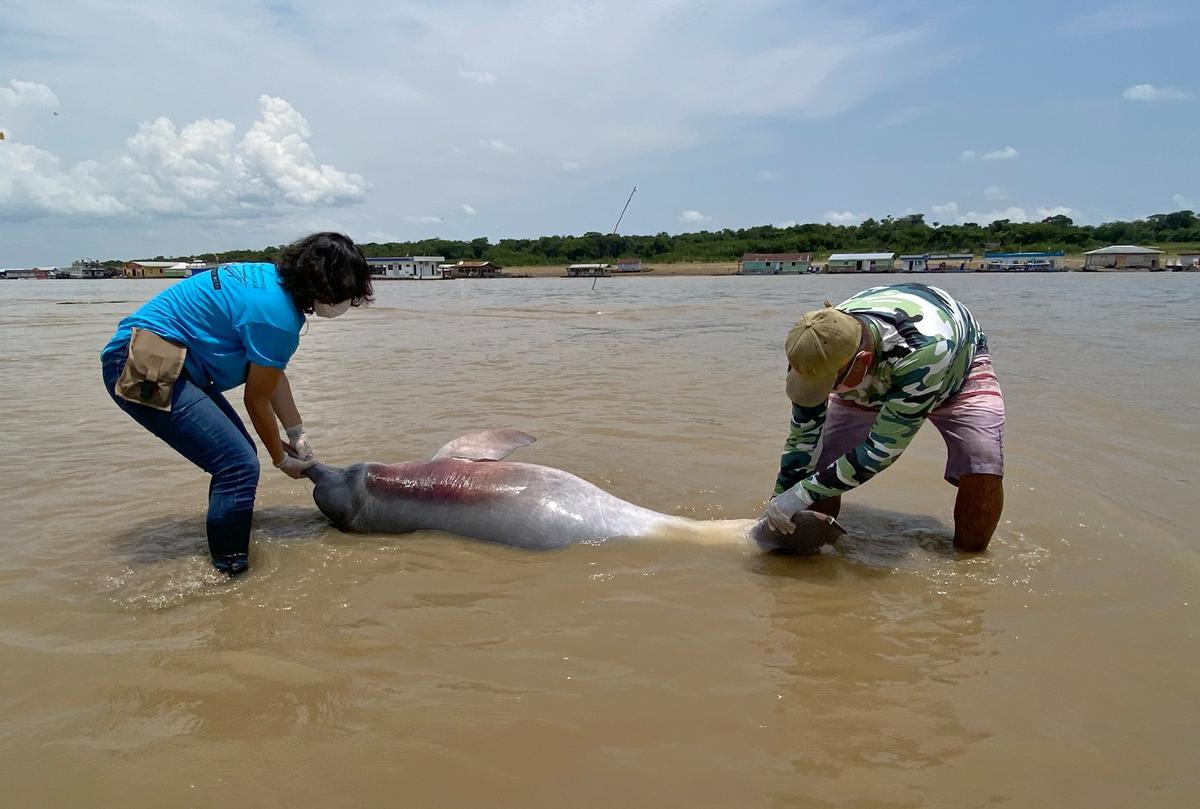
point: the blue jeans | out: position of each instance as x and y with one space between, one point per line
202 427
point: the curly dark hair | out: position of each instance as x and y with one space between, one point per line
325 268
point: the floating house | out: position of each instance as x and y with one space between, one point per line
774 263
1187 261
22 273
1045 261
471 269
186 269
1122 257
155 269
936 262
409 267
861 262
630 265
588 271
90 268
144 269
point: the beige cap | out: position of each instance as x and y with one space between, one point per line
817 348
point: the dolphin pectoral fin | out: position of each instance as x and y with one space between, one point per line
813 530
488 445
831 523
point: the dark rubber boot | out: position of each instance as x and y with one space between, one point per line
234 563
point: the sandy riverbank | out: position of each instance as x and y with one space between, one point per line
696 268
681 268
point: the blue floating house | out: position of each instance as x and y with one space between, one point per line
774 263
1045 261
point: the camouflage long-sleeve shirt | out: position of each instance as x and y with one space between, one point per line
925 342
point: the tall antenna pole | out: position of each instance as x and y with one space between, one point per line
614 230
623 210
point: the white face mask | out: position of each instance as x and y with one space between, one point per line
331 309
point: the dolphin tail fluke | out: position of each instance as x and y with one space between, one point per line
489 445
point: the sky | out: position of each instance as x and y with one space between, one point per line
138 129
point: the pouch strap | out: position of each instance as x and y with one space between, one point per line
147 387
153 368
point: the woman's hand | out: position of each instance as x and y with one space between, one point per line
294 467
298 442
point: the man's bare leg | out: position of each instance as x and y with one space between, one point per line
977 511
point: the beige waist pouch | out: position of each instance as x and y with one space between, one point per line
150 372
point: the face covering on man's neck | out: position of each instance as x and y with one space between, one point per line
331 309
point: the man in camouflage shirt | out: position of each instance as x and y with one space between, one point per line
864 376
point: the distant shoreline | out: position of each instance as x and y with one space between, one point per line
698 269
719 268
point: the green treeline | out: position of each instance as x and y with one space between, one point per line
906 234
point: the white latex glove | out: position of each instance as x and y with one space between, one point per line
294 468
298 439
783 507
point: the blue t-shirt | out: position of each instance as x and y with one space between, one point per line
243 316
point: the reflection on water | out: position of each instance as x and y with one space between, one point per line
347 670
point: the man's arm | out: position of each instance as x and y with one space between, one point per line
891 434
915 385
800 450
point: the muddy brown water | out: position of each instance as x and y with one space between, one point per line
1058 669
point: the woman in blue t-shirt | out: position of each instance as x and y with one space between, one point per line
169 363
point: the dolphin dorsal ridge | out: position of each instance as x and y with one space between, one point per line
488 445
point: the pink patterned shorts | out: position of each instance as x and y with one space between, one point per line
971 423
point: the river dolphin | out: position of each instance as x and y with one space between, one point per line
469 490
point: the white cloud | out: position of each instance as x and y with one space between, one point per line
1124 17
1148 92
1007 153
994 192
379 236
479 76
33 183
949 209
904 116
1181 200
1012 213
765 175
690 217
672 80
842 218
1016 213
678 78
469 209
27 93
789 223
496 145
201 170
421 220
